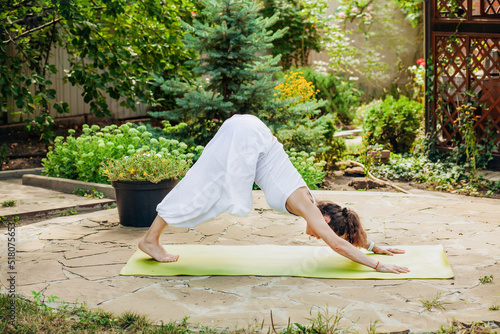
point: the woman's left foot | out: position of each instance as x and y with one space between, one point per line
157 252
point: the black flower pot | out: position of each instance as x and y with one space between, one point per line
137 200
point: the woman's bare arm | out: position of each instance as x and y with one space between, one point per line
300 204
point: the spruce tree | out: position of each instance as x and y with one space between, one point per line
237 77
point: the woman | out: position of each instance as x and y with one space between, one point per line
242 152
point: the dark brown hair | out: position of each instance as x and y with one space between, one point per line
344 222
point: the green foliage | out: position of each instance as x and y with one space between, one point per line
8 203
5 221
79 158
39 300
311 171
298 123
354 45
69 212
233 36
413 9
440 175
133 321
486 279
417 88
435 303
145 166
306 29
457 327
323 322
341 94
315 135
88 193
4 157
465 121
393 123
113 46
468 150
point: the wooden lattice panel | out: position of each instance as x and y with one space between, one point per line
450 84
465 9
450 9
491 7
467 71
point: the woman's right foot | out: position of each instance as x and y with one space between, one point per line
157 252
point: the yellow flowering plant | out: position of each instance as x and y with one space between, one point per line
145 166
466 122
295 86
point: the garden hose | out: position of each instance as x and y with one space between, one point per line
374 178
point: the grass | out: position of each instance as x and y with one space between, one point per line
69 212
486 279
8 204
35 316
435 303
4 221
458 327
88 193
494 307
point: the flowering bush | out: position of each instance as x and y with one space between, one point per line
418 80
147 166
79 158
302 125
312 172
295 87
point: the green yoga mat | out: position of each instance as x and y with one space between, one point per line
271 260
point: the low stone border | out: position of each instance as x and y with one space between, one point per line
18 173
66 185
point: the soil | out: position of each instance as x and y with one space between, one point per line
20 149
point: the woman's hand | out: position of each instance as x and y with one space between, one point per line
389 251
392 268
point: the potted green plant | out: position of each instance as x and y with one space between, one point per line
141 181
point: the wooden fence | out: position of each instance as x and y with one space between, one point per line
463 49
72 95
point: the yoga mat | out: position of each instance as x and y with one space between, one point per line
272 260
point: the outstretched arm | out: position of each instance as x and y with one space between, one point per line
300 204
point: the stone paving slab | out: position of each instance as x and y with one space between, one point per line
78 259
32 201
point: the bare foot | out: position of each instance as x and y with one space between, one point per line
156 251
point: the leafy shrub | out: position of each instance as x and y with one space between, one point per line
314 136
392 123
80 158
312 172
341 95
145 166
440 175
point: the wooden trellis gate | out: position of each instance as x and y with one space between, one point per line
462 39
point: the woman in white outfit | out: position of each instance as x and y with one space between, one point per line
242 152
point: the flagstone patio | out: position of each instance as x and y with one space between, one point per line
78 259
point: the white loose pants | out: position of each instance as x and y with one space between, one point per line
242 152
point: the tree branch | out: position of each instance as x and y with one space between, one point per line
32 30
21 4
